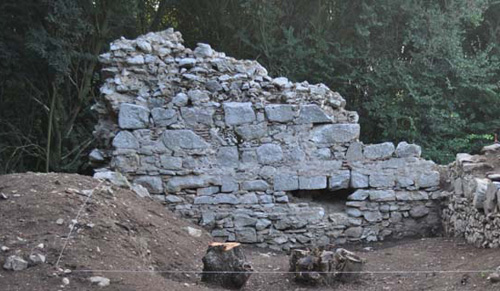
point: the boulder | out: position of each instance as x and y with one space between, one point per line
237 113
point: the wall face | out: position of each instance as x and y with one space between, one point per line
472 209
228 146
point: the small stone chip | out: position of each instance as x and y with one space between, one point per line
60 221
100 281
65 281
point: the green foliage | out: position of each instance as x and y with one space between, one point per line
416 70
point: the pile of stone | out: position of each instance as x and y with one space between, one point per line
226 145
472 209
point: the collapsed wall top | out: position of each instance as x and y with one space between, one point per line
226 145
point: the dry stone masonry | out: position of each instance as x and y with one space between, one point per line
254 159
472 209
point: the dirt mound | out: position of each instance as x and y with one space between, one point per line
116 230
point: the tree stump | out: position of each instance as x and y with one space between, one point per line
320 266
347 265
225 265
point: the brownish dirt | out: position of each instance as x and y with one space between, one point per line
131 234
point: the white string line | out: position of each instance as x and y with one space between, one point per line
74 224
284 272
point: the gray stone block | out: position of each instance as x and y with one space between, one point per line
254 185
163 117
280 112
133 116
125 140
355 152
358 180
249 198
180 100
229 185
246 235
312 114
359 195
173 199
372 216
430 179
335 133
262 224
381 181
176 184
382 195
183 139
286 182
242 220
228 156
252 131
312 182
404 150
269 154
225 199
353 212
339 180
419 211
195 116
379 151
354 232
170 163
237 113
207 191
154 184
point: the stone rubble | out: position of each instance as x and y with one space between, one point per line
228 146
472 209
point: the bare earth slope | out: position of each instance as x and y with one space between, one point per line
119 231
116 231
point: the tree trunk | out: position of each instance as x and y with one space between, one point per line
325 267
225 265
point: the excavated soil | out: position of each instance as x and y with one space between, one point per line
126 238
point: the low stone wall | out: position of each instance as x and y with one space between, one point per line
471 209
253 158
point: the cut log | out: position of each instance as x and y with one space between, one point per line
319 266
225 265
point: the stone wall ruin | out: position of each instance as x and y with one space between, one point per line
248 156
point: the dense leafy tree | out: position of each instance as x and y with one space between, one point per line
417 70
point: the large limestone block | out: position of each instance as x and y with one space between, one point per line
183 139
133 116
355 152
382 195
163 117
237 113
312 114
286 182
254 185
340 180
480 193
280 112
381 180
197 116
312 182
154 184
176 184
428 179
490 201
228 156
335 133
125 140
252 131
359 195
269 153
358 180
379 151
404 150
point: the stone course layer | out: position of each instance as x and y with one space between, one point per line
242 153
